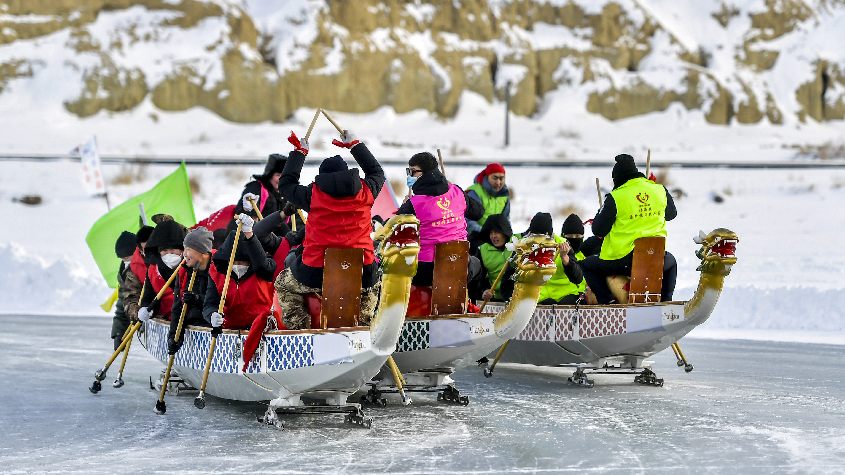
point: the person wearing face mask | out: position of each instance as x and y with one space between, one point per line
138 274
123 248
197 255
493 254
568 270
442 208
250 291
163 254
490 190
567 283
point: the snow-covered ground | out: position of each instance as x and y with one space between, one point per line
789 282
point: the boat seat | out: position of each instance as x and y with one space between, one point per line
340 305
449 282
646 281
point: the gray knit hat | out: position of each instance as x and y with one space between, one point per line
199 240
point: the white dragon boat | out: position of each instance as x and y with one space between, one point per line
325 365
433 346
619 338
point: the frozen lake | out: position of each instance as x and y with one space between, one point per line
748 407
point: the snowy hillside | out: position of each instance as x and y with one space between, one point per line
740 79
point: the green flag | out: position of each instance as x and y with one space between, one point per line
170 196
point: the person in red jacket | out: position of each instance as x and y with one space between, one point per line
163 254
250 291
340 205
134 283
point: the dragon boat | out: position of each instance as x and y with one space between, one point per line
439 337
326 365
618 338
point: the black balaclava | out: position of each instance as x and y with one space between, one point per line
573 225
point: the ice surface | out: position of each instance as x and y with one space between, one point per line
746 408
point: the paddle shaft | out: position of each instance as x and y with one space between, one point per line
336 126
499 355
598 190
442 167
220 309
255 207
176 338
495 283
648 164
313 121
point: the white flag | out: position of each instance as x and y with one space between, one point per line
92 176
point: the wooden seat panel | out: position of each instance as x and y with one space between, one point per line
647 270
449 283
341 305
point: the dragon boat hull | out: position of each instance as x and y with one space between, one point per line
597 335
325 364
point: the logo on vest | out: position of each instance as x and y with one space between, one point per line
447 215
642 197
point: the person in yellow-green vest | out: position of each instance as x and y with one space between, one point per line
566 279
493 255
636 207
490 190
562 289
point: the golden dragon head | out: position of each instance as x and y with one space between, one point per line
717 252
399 245
534 255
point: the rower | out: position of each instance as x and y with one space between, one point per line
163 254
340 206
490 190
197 253
636 207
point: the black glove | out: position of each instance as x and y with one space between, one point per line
216 331
192 299
289 209
173 346
295 238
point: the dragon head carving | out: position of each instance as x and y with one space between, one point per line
399 245
535 253
718 250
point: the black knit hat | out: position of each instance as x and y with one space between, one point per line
167 235
572 225
541 223
333 164
143 235
275 164
624 170
125 245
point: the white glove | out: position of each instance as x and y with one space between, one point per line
144 314
246 204
246 222
216 319
348 137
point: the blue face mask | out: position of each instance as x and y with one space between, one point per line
411 180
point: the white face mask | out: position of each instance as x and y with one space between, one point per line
127 261
239 270
171 260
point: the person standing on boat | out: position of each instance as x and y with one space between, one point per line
134 283
636 207
264 190
340 205
250 292
197 254
490 190
123 248
493 254
567 283
566 261
443 210
163 254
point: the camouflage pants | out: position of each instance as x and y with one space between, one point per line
292 301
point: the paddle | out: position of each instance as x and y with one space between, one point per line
199 402
161 407
101 374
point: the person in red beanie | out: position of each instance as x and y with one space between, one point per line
490 190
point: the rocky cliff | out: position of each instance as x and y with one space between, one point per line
249 61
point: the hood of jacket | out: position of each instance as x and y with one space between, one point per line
431 183
496 222
340 184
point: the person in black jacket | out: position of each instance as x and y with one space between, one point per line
340 206
197 257
123 248
264 190
424 178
